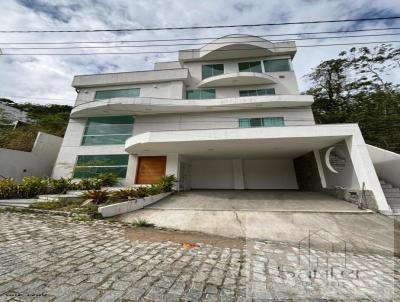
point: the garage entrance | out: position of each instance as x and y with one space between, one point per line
248 173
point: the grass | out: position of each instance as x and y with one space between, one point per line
142 223
59 205
73 206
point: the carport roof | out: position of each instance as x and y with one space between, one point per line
277 142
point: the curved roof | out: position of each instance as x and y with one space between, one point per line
237 46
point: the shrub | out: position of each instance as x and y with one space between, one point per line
60 185
167 183
107 179
142 223
96 196
124 194
142 192
8 188
154 189
89 184
32 186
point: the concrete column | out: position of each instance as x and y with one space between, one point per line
131 170
238 178
172 167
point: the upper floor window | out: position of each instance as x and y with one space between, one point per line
91 165
250 66
276 65
255 92
117 93
200 94
261 122
107 130
211 70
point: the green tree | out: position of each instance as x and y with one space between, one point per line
352 89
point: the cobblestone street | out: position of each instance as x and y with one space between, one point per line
46 258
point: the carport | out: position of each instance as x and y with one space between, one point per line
307 158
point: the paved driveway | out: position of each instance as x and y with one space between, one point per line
45 258
254 200
271 215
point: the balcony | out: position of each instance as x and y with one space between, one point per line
146 106
238 79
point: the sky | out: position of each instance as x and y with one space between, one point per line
47 79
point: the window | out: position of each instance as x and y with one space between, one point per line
253 92
107 130
118 93
276 65
91 165
250 66
211 70
261 122
200 94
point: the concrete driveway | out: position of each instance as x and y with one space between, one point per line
254 200
288 216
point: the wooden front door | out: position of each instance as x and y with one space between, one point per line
150 169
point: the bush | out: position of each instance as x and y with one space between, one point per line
8 188
142 192
107 179
60 185
96 196
124 194
88 184
167 183
32 186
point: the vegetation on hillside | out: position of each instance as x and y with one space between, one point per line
352 89
52 119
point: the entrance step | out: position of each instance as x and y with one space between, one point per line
392 195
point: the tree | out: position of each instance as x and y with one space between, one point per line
352 89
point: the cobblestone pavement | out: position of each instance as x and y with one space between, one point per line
44 258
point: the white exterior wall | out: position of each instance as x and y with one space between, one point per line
168 90
386 163
38 162
269 174
213 120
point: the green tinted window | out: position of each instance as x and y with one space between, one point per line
91 165
261 122
117 93
276 65
108 130
200 94
211 70
253 92
250 66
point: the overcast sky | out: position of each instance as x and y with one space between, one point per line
46 78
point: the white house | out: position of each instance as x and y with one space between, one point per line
226 116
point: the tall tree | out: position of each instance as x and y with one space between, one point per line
352 89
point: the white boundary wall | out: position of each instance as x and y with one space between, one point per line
38 162
386 163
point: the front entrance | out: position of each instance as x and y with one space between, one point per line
150 169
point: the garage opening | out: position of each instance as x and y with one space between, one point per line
247 173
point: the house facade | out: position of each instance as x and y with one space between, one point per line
226 116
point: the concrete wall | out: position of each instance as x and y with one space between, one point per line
169 90
269 174
38 162
242 174
386 163
211 120
346 178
